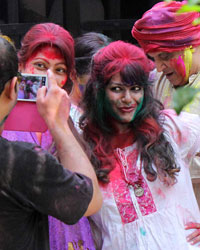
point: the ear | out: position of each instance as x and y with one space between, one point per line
73 76
8 99
11 89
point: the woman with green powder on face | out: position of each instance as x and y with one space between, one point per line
141 155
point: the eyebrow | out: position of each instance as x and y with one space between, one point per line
117 83
164 54
40 58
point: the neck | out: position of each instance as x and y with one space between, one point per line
122 128
122 140
2 124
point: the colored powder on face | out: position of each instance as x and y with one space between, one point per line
47 51
32 69
188 61
179 65
100 106
138 108
51 52
109 109
63 82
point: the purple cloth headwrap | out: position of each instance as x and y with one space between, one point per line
163 29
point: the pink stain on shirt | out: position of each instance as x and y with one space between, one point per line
160 193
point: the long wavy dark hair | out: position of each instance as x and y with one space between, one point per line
133 66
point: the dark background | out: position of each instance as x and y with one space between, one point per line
114 18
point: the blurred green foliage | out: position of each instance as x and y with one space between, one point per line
183 96
192 5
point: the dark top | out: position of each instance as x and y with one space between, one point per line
33 185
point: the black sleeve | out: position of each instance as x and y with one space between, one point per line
41 182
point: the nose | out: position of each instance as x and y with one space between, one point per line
160 65
53 75
127 97
50 70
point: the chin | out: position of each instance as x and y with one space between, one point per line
126 121
178 82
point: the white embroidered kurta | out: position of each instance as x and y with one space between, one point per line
154 221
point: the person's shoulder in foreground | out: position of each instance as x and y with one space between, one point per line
33 184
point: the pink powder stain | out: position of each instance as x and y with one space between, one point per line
184 136
189 156
160 193
63 82
51 52
191 225
179 65
185 214
47 51
32 69
77 187
178 138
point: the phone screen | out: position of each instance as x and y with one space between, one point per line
29 85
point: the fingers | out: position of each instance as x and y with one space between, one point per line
51 79
192 225
194 237
53 103
41 93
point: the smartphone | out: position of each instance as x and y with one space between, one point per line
25 116
28 85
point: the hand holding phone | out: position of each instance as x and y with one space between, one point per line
25 116
53 104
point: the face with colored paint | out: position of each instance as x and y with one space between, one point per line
124 101
178 66
47 58
172 66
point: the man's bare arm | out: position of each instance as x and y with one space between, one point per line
54 107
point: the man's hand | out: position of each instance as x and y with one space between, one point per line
54 106
194 237
53 103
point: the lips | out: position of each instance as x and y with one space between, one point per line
127 109
169 75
